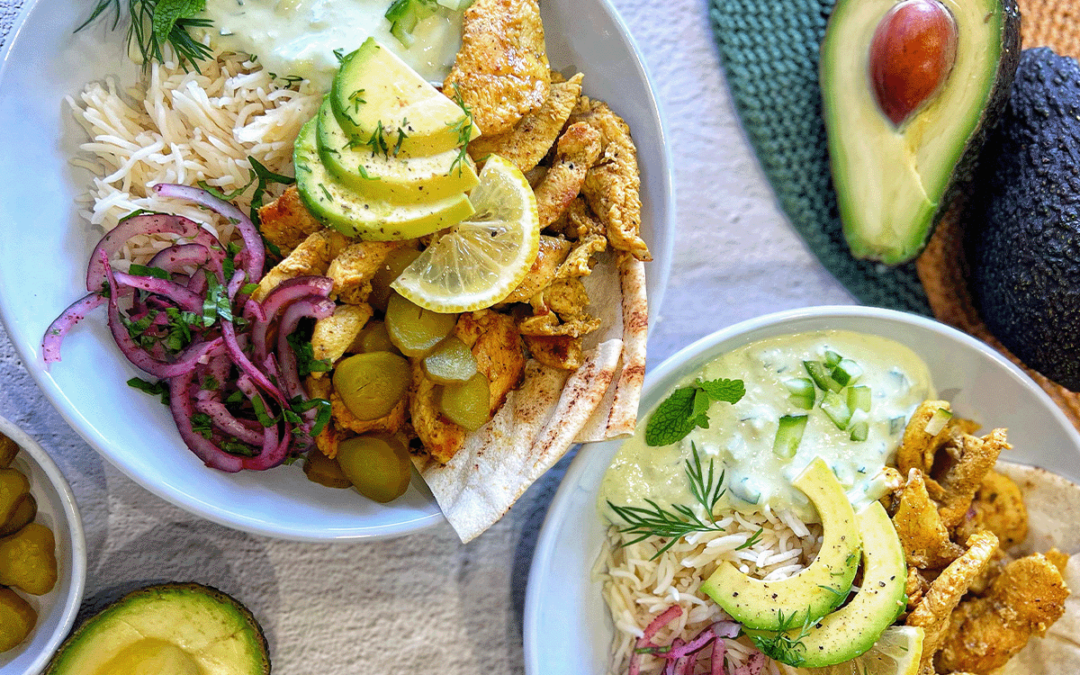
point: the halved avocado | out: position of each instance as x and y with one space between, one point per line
180 629
816 590
909 90
854 628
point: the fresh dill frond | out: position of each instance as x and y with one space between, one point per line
377 141
680 520
155 24
464 130
782 645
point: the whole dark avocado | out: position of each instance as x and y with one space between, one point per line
909 89
173 629
1023 232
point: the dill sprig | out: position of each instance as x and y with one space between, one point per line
157 23
783 644
464 130
681 519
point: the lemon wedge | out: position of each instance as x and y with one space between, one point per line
482 259
897 652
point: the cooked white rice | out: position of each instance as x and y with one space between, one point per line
637 589
185 127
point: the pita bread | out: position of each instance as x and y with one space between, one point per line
1053 505
552 410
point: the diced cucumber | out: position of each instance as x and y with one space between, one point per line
835 408
803 393
938 421
820 375
846 372
789 435
858 398
859 431
896 425
832 358
403 16
455 5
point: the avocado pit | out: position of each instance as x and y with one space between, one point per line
911 54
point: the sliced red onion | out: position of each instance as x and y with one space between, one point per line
114 240
228 331
313 307
180 256
645 641
76 312
183 409
752 666
275 448
719 651
180 295
255 255
286 292
675 666
226 421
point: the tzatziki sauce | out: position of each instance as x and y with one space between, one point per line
299 37
740 437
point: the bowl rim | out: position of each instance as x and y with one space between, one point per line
75 533
662 254
674 364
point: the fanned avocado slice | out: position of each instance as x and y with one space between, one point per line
909 90
180 629
816 590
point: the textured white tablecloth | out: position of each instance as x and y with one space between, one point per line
425 603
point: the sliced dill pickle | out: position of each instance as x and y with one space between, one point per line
467 404
325 471
415 330
378 466
373 338
391 268
23 515
371 385
451 362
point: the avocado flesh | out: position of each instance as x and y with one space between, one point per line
1023 235
181 629
354 215
892 183
853 629
817 589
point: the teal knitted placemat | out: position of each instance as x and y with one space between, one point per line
770 51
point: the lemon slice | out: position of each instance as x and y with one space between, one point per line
484 258
897 652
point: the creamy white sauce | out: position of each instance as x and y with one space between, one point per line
740 436
298 37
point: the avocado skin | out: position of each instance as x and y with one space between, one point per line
156 592
1023 234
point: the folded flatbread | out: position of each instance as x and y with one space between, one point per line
553 409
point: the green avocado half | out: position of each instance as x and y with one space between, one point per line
893 173
179 629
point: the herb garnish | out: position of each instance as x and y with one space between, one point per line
159 388
687 408
464 130
306 363
778 645
681 520
157 23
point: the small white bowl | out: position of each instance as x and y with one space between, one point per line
57 511
567 627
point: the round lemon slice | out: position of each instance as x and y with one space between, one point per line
897 652
484 258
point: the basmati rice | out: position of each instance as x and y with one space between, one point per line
637 589
185 127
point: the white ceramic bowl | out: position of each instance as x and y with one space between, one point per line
57 511
45 246
567 627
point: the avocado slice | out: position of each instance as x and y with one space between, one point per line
402 180
181 629
853 629
354 215
376 94
1022 235
909 91
816 590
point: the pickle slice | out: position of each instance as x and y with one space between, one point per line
392 267
467 404
451 362
414 330
377 465
373 338
322 470
371 385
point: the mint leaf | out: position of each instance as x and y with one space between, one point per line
168 12
723 390
687 408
